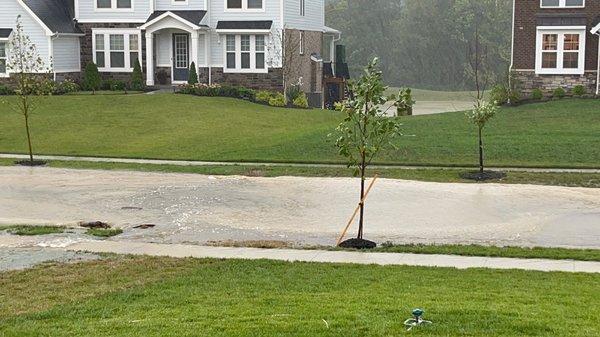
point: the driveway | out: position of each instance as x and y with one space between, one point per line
195 208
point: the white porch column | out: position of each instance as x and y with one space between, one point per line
149 58
194 52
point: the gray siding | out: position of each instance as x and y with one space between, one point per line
9 10
87 13
66 52
165 5
313 20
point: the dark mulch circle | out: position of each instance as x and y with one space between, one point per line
358 244
31 163
483 176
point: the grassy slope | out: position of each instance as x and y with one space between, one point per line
167 297
168 126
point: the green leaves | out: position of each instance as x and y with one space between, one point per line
365 131
482 113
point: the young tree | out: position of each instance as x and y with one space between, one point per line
193 74
32 77
365 131
91 78
480 115
137 78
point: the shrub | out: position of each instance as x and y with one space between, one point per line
137 79
264 96
66 87
118 86
91 78
193 74
537 94
293 92
247 94
277 100
579 90
301 101
559 93
5 90
499 95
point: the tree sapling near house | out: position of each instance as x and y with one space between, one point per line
364 133
137 79
193 75
31 80
91 78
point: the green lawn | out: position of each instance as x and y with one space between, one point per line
31 230
591 180
142 296
167 126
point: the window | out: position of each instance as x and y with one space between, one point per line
302 7
100 55
231 55
238 5
114 4
561 3
560 51
245 53
2 57
116 50
179 2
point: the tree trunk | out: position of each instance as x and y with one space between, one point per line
362 196
480 152
29 139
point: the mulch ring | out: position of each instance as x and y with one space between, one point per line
31 163
483 176
358 244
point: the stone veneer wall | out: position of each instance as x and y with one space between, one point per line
271 81
302 65
527 81
159 69
87 49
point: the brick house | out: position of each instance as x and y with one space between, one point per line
555 44
238 42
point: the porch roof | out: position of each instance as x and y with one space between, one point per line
5 32
192 17
57 15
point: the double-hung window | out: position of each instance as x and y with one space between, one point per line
244 5
3 57
116 50
562 3
114 4
560 51
245 53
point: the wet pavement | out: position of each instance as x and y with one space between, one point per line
196 209
23 258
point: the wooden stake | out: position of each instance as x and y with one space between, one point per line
356 211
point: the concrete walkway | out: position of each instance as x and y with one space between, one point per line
322 256
216 163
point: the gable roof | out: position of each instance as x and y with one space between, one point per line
193 17
244 25
57 15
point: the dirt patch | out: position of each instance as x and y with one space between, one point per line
483 176
30 163
94 225
145 226
358 244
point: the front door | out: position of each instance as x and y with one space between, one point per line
181 57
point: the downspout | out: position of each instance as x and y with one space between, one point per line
512 48
598 70
209 42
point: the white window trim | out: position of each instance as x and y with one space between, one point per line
5 41
238 56
117 31
244 7
560 31
562 4
113 7
179 2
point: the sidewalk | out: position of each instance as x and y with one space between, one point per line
216 163
292 255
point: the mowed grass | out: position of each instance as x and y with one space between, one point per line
167 126
144 296
25 230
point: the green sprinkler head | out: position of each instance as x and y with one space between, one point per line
417 313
